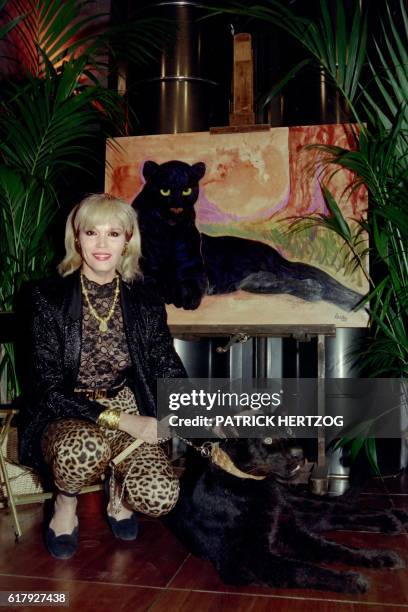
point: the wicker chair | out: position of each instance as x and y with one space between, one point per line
19 484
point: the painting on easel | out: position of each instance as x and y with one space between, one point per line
213 212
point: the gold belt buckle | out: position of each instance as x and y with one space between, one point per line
100 394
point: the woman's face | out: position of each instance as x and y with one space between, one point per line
101 251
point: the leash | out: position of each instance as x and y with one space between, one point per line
205 449
208 450
212 451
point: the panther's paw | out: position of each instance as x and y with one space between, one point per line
188 295
401 515
391 524
384 558
355 583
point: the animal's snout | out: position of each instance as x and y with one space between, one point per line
296 453
177 211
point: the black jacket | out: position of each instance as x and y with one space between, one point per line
53 357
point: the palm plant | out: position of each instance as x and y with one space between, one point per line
370 73
50 119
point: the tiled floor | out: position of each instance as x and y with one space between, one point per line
156 573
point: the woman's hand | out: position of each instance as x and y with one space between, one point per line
142 427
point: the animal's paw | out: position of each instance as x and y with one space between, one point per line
401 515
192 302
188 296
355 583
383 558
390 523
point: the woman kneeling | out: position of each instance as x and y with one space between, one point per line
99 342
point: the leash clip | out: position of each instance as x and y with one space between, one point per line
206 449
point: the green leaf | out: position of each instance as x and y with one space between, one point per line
341 224
356 446
381 240
8 27
341 44
356 53
328 37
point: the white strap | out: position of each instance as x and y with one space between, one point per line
125 453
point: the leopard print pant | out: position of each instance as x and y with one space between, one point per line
79 453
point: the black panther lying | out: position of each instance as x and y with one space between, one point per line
258 531
184 264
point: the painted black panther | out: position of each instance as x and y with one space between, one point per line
185 264
264 532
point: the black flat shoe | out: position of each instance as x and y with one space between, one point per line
63 546
126 529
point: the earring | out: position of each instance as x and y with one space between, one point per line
125 250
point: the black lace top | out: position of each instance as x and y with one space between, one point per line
104 355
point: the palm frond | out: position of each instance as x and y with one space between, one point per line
334 45
61 30
7 27
375 89
52 118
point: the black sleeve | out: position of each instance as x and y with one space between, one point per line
53 400
164 361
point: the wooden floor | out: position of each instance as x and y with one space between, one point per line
156 573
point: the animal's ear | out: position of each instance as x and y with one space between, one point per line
198 170
149 168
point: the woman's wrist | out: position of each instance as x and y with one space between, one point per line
138 426
125 421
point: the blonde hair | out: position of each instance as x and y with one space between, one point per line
99 209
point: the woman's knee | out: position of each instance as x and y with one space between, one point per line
153 496
76 450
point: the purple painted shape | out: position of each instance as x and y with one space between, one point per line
208 212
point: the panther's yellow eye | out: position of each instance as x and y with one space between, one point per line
187 192
165 192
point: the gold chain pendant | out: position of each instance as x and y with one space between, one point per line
103 323
103 326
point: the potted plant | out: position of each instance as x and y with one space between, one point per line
369 72
56 111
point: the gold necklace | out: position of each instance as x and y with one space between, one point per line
103 321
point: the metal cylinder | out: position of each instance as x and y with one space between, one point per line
341 357
186 90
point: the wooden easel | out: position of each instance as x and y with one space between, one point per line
242 116
242 119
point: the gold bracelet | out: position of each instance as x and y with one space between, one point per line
109 418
